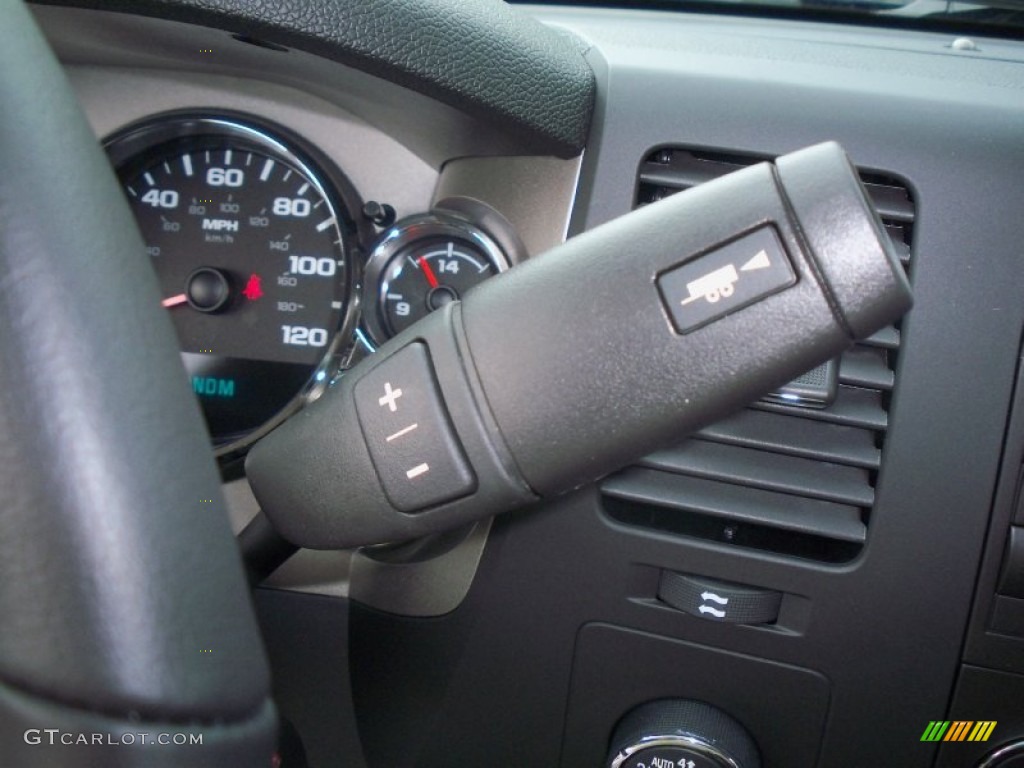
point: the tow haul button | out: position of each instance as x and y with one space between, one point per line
726 279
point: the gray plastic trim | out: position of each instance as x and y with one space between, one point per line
433 585
535 194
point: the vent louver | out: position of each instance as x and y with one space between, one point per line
797 481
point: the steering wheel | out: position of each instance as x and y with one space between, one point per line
128 637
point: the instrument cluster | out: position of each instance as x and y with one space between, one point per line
272 268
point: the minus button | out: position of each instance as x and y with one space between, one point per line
419 469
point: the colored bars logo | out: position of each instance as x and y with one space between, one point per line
958 730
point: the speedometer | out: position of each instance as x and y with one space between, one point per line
250 241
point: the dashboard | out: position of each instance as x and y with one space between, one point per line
299 212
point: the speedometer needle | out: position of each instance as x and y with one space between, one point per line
173 301
427 271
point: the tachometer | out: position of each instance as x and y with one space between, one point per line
251 245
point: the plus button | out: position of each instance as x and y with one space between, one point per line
390 396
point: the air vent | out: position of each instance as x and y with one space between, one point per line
794 480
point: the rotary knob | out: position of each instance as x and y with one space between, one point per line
680 733
1006 756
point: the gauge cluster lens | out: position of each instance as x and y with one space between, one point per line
250 244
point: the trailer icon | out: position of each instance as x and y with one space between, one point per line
713 286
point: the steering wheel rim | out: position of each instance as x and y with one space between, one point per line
125 607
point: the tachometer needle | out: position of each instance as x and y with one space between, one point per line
427 271
173 301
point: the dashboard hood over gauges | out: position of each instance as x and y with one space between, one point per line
483 58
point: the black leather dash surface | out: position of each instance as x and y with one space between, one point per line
483 57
